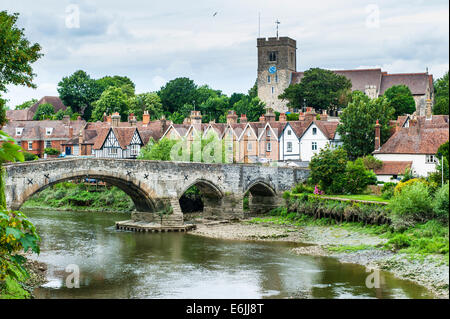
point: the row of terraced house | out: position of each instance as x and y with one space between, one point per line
413 143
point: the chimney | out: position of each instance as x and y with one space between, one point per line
80 137
66 119
377 136
78 118
282 117
212 122
310 114
243 118
196 117
262 119
132 119
231 117
163 122
105 118
269 116
145 118
324 116
428 110
115 119
108 119
301 116
70 131
187 120
413 126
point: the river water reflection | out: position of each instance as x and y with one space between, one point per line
117 264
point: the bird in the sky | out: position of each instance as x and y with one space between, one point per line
215 13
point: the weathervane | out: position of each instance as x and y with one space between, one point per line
277 23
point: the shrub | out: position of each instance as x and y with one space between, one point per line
302 188
407 175
387 190
29 156
357 177
371 162
412 204
51 151
441 203
401 185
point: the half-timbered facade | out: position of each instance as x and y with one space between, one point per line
118 142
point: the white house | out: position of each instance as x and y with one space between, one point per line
290 140
413 146
316 136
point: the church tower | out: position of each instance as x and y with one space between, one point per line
276 62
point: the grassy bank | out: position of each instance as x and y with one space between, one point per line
84 197
418 241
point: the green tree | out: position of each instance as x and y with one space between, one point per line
157 151
441 104
150 102
443 150
401 99
112 100
327 168
79 92
16 53
253 91
234 98
320 89
213 108
44 111
117 81
26 104
357 127
357 177
252 107
177 93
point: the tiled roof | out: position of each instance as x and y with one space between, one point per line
328 128
299 127
19 115
124 135
393 168
53 100
417 82
102 134
37 130
415 140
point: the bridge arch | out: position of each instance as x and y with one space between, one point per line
262 196
210 200
141 195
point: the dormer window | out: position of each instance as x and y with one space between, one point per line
48 130
19 131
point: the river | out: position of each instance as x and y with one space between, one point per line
118 264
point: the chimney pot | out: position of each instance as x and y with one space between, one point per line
377 136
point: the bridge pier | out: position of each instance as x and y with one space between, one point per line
230 206
263 204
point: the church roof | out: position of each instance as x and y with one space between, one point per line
417 82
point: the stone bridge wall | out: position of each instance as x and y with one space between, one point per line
154 184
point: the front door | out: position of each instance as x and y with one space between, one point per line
68 150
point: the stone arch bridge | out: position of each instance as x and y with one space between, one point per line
152 185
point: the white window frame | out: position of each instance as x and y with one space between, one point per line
112 151
289 132
19 131
289 147
431 159
314 146
134 149
30 145
249 133
47 143
249 146
268 133
314 131
48 130
269 147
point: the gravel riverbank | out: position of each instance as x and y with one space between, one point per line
430 272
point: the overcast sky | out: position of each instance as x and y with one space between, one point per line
153 42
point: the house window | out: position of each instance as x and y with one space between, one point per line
48 130
268 133
112 151
289 147
249 146
269 147
76 150
276 78
268 79
249 133
431 159
272 89
134 150
314 146
19 131
48 144
289 132
314 131
30 146
272 56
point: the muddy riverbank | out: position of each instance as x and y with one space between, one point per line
431 272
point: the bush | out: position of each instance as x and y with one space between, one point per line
51 151
29 156
387 191
302 188
412 204
401 185
357 177
441 203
